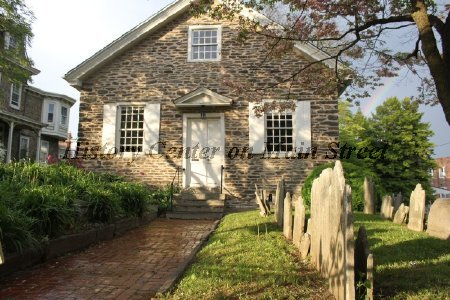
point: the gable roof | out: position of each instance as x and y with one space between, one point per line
75 76
202 97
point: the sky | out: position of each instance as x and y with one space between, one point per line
67 32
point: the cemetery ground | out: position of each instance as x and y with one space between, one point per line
248 257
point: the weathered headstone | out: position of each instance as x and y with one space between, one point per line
363 266
387 207
308 226
279 205
305 244
332 241
439 219
417 209
401 214
299 222
2 258
261 203
287 218
398 200
369 196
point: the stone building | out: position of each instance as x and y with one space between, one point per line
157 103
33 122
441 175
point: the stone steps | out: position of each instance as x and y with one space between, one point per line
197 205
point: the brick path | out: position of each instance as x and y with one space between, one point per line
133 266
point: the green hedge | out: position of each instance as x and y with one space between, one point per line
354 176
38 202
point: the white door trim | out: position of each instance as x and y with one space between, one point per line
188 116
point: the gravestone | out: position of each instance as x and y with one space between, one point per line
439 219
287 218
417 209
279 204
299 222
387 207
2 258
401 214
308 226
305 244
398 200
363 266
369 196
332 241
263 211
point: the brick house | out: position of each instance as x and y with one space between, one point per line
33 123
160 91
441 175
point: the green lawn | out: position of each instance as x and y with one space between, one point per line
239 263
409 264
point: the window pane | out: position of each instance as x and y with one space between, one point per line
204 44
131 128
279 131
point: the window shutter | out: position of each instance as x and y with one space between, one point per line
302 125
256 130
109 128
151 127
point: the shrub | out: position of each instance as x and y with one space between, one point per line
102 204
354 175
133 197
161 197
51 207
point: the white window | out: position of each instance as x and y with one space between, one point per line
50 112
24 147
431 172
130 127
64 115
131 132
442 172
45 150
281 131
204 43
16 95
10 41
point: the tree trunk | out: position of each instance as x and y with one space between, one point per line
438 66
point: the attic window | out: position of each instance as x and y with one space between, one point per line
10 41
204 43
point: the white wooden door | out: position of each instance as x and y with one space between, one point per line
204 164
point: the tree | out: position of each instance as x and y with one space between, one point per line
356 34
408 157
15 26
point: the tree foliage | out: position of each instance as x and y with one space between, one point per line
15 20
358 36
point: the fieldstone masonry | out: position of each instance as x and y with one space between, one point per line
387 207
287 218
299 222
417 209
439 219
369 196
401 215
156 70
332 241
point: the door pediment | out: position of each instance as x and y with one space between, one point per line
202 97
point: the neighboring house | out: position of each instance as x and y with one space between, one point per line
441 175
32 122
161 89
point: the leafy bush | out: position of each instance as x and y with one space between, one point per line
102 204
161 197
354 175
133 197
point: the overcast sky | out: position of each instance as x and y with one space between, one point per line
67 32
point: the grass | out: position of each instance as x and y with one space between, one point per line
409 264
248 258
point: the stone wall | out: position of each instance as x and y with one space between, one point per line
156 71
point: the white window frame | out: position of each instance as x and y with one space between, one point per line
61 116
119 127
292 133
27 139
47 145
47 111
219 42
12 93
442 172
8 44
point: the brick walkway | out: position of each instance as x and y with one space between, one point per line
133 266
